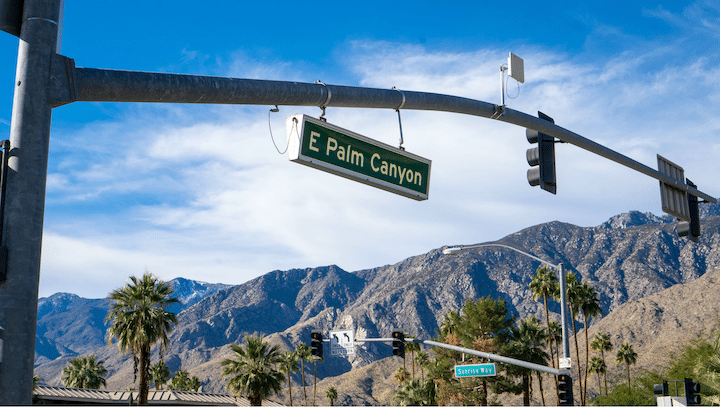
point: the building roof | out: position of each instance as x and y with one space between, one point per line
166 397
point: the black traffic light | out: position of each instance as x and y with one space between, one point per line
691 229
661 389
691 390
316 344
565 390
398 343
541 158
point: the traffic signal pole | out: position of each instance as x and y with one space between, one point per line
25 200
45 80
96 85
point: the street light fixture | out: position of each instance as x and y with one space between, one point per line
561 276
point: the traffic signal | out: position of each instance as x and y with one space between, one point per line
316 344
691 229
398 343
661 389
541 158
565 390
691 390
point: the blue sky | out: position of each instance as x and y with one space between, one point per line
200 191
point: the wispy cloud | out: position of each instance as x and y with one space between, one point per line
701 16
206 196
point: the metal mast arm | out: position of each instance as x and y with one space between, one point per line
89 84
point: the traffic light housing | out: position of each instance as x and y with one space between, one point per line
541 158
691 229
398 343
662 389
565 390
691 390
316 344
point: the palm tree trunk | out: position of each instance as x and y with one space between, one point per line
302 369
577 353
526 389
550 345
587 356
542 394
144 385
412 359
628 375
290 386
602 353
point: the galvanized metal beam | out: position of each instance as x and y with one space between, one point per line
106 85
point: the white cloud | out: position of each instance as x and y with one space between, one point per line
206 196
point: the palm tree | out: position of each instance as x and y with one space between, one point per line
421 359
194 384
601 342
159 374
315 362
252 370
412 393
332 395
626 355
401 375
528 344
182 381
84 372
545 284
574 298
598 366
288 364
555 335
303 352
590 307
139 318
412 347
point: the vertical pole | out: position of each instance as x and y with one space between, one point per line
502 85
563 311
25 202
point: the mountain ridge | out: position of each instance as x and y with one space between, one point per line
625 262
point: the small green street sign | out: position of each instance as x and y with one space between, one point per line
329 148
482 370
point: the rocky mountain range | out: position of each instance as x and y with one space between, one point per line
631 258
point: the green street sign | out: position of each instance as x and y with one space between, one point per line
329 148
485 369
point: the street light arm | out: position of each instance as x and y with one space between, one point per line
457 249
560 268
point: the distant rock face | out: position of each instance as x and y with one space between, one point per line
635 218
69 325
190 292
627 258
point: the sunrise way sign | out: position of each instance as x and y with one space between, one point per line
482 370
329 148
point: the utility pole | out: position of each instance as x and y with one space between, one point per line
25 202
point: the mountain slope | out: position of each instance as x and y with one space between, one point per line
69 325
625 262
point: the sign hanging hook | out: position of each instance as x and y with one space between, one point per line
397 109
327 101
